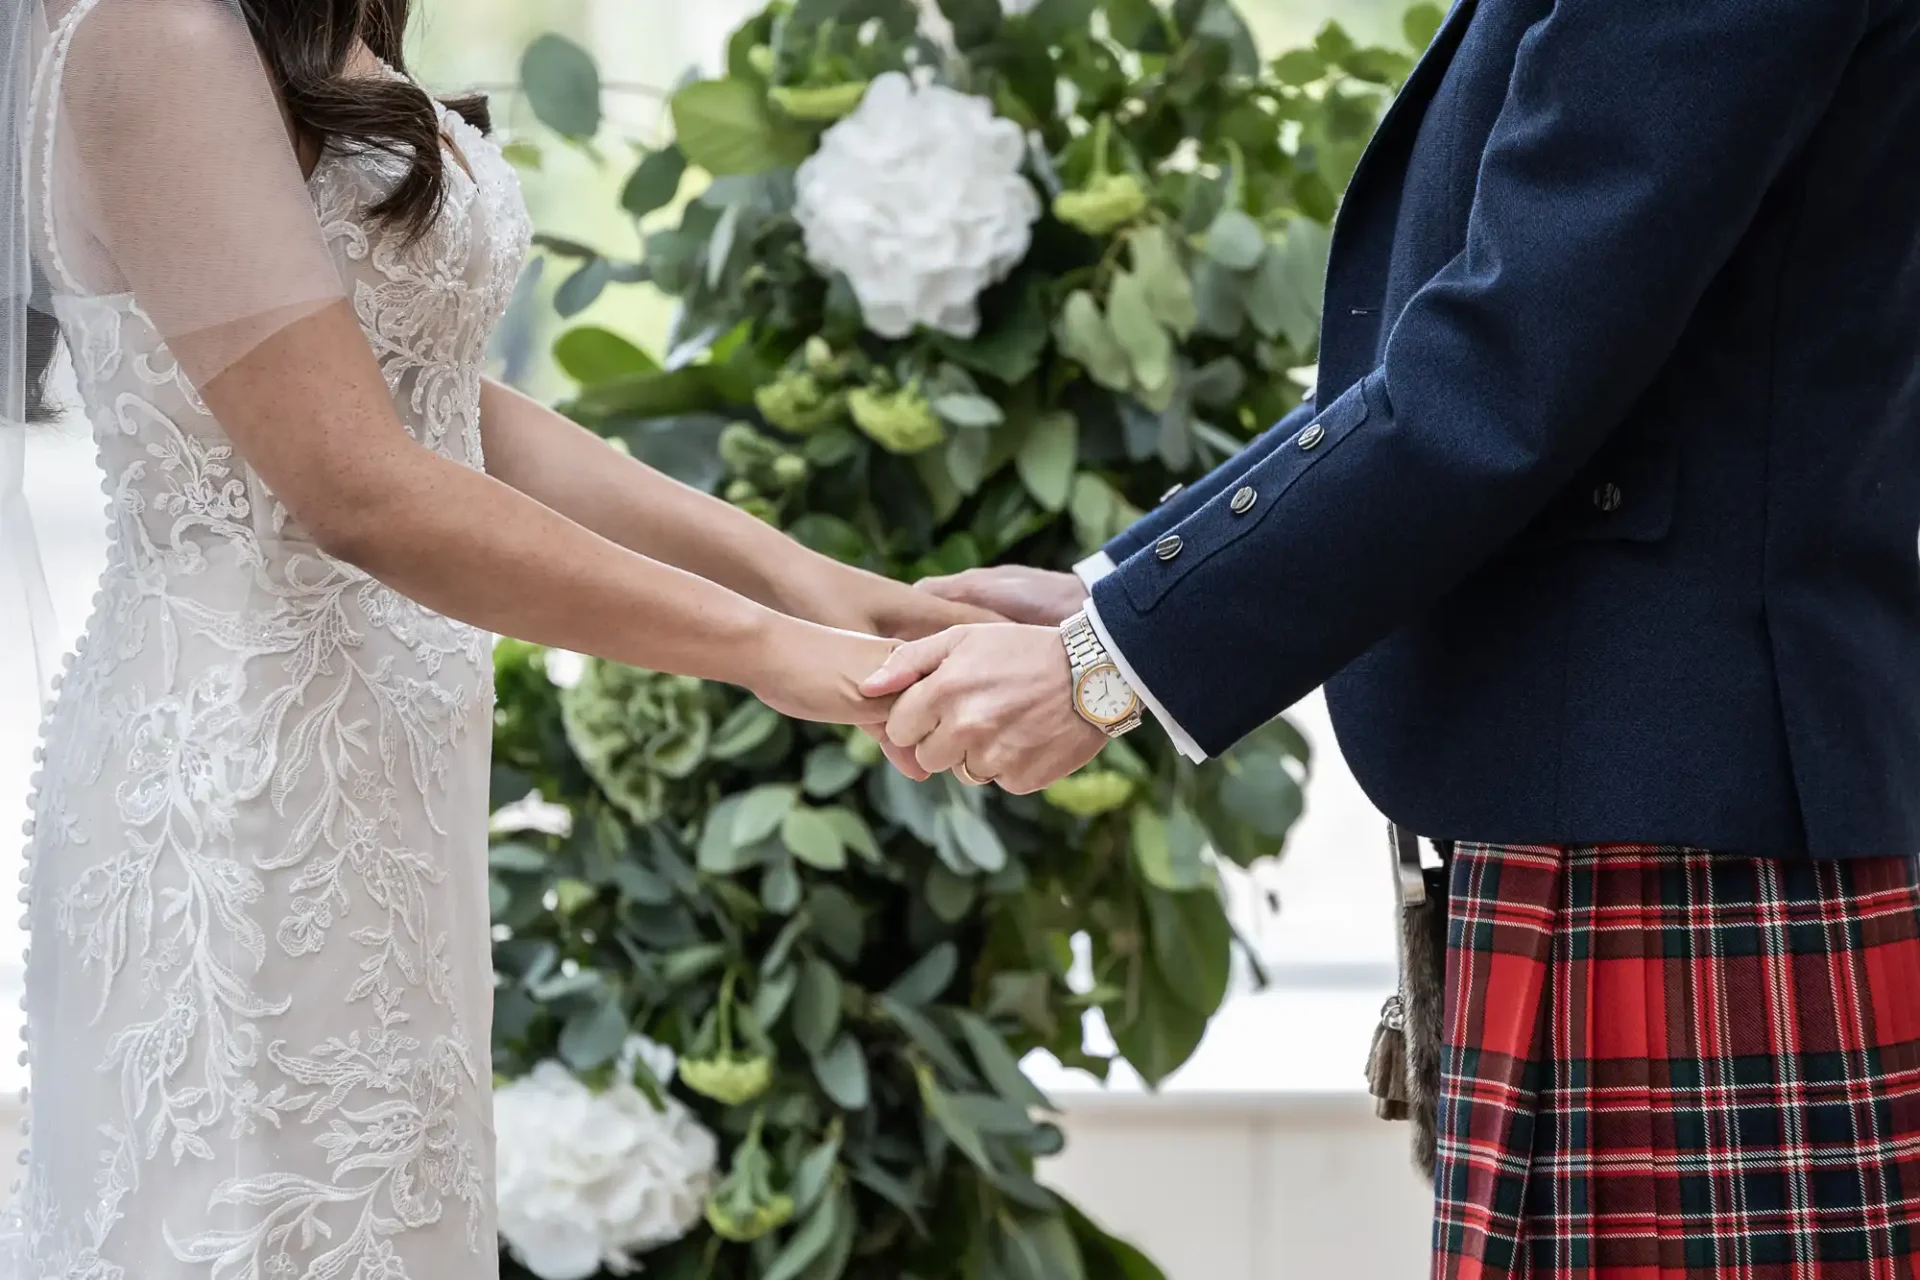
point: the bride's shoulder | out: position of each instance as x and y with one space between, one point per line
148 42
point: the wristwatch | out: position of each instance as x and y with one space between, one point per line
1101 694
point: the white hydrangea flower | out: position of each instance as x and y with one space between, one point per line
587 1180
918 197
1018 6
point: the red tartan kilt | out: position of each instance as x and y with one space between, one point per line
1665 1064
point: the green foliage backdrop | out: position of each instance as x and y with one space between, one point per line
851 964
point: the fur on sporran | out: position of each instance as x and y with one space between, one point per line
1403 1067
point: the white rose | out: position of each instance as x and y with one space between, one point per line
917 196
589 1179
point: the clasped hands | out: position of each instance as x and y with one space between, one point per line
991 702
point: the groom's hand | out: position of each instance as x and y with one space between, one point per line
1039 597
997 699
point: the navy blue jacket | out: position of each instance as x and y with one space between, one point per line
1604 525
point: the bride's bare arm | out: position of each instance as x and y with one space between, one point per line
309 410
174 178
565 466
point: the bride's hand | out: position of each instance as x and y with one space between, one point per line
814 673
907 614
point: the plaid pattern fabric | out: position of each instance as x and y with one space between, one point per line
1667 1064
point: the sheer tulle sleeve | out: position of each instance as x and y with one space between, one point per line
166 171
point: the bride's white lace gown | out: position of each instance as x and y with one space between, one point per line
259 986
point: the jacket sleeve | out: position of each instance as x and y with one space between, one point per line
1223 478
1635 146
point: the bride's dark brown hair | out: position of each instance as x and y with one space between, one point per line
310 47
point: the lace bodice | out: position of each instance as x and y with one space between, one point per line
256 876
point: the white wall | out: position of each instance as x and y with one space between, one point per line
1251 1187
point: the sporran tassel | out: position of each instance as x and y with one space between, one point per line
1387 1062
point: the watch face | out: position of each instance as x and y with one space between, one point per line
1104 695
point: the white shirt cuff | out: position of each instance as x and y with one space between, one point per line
1181 738
1093 568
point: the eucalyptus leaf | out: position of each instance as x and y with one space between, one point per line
1219 383
780 887
832 1262
962 410
1047 458
956 1126
1146 341
1234 241
746 729
842 1073
514 855
837 921
775 994
593 1036
655 181
810 1179
1219 297
976 837
1086 336
997 1063
816 1006
929 1039
805 1245
930 975
966 457
1169 290
583 288
853 831
761 812
720 853
562 84
811 838
829 771
642 885
950 896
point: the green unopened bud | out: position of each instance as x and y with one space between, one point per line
820 103
727 1079
744 450
899 421
863 749
761 509
740 491
748 1226
790 469
1107 202
797 402
745 1207
820 358
760 58
1091 793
